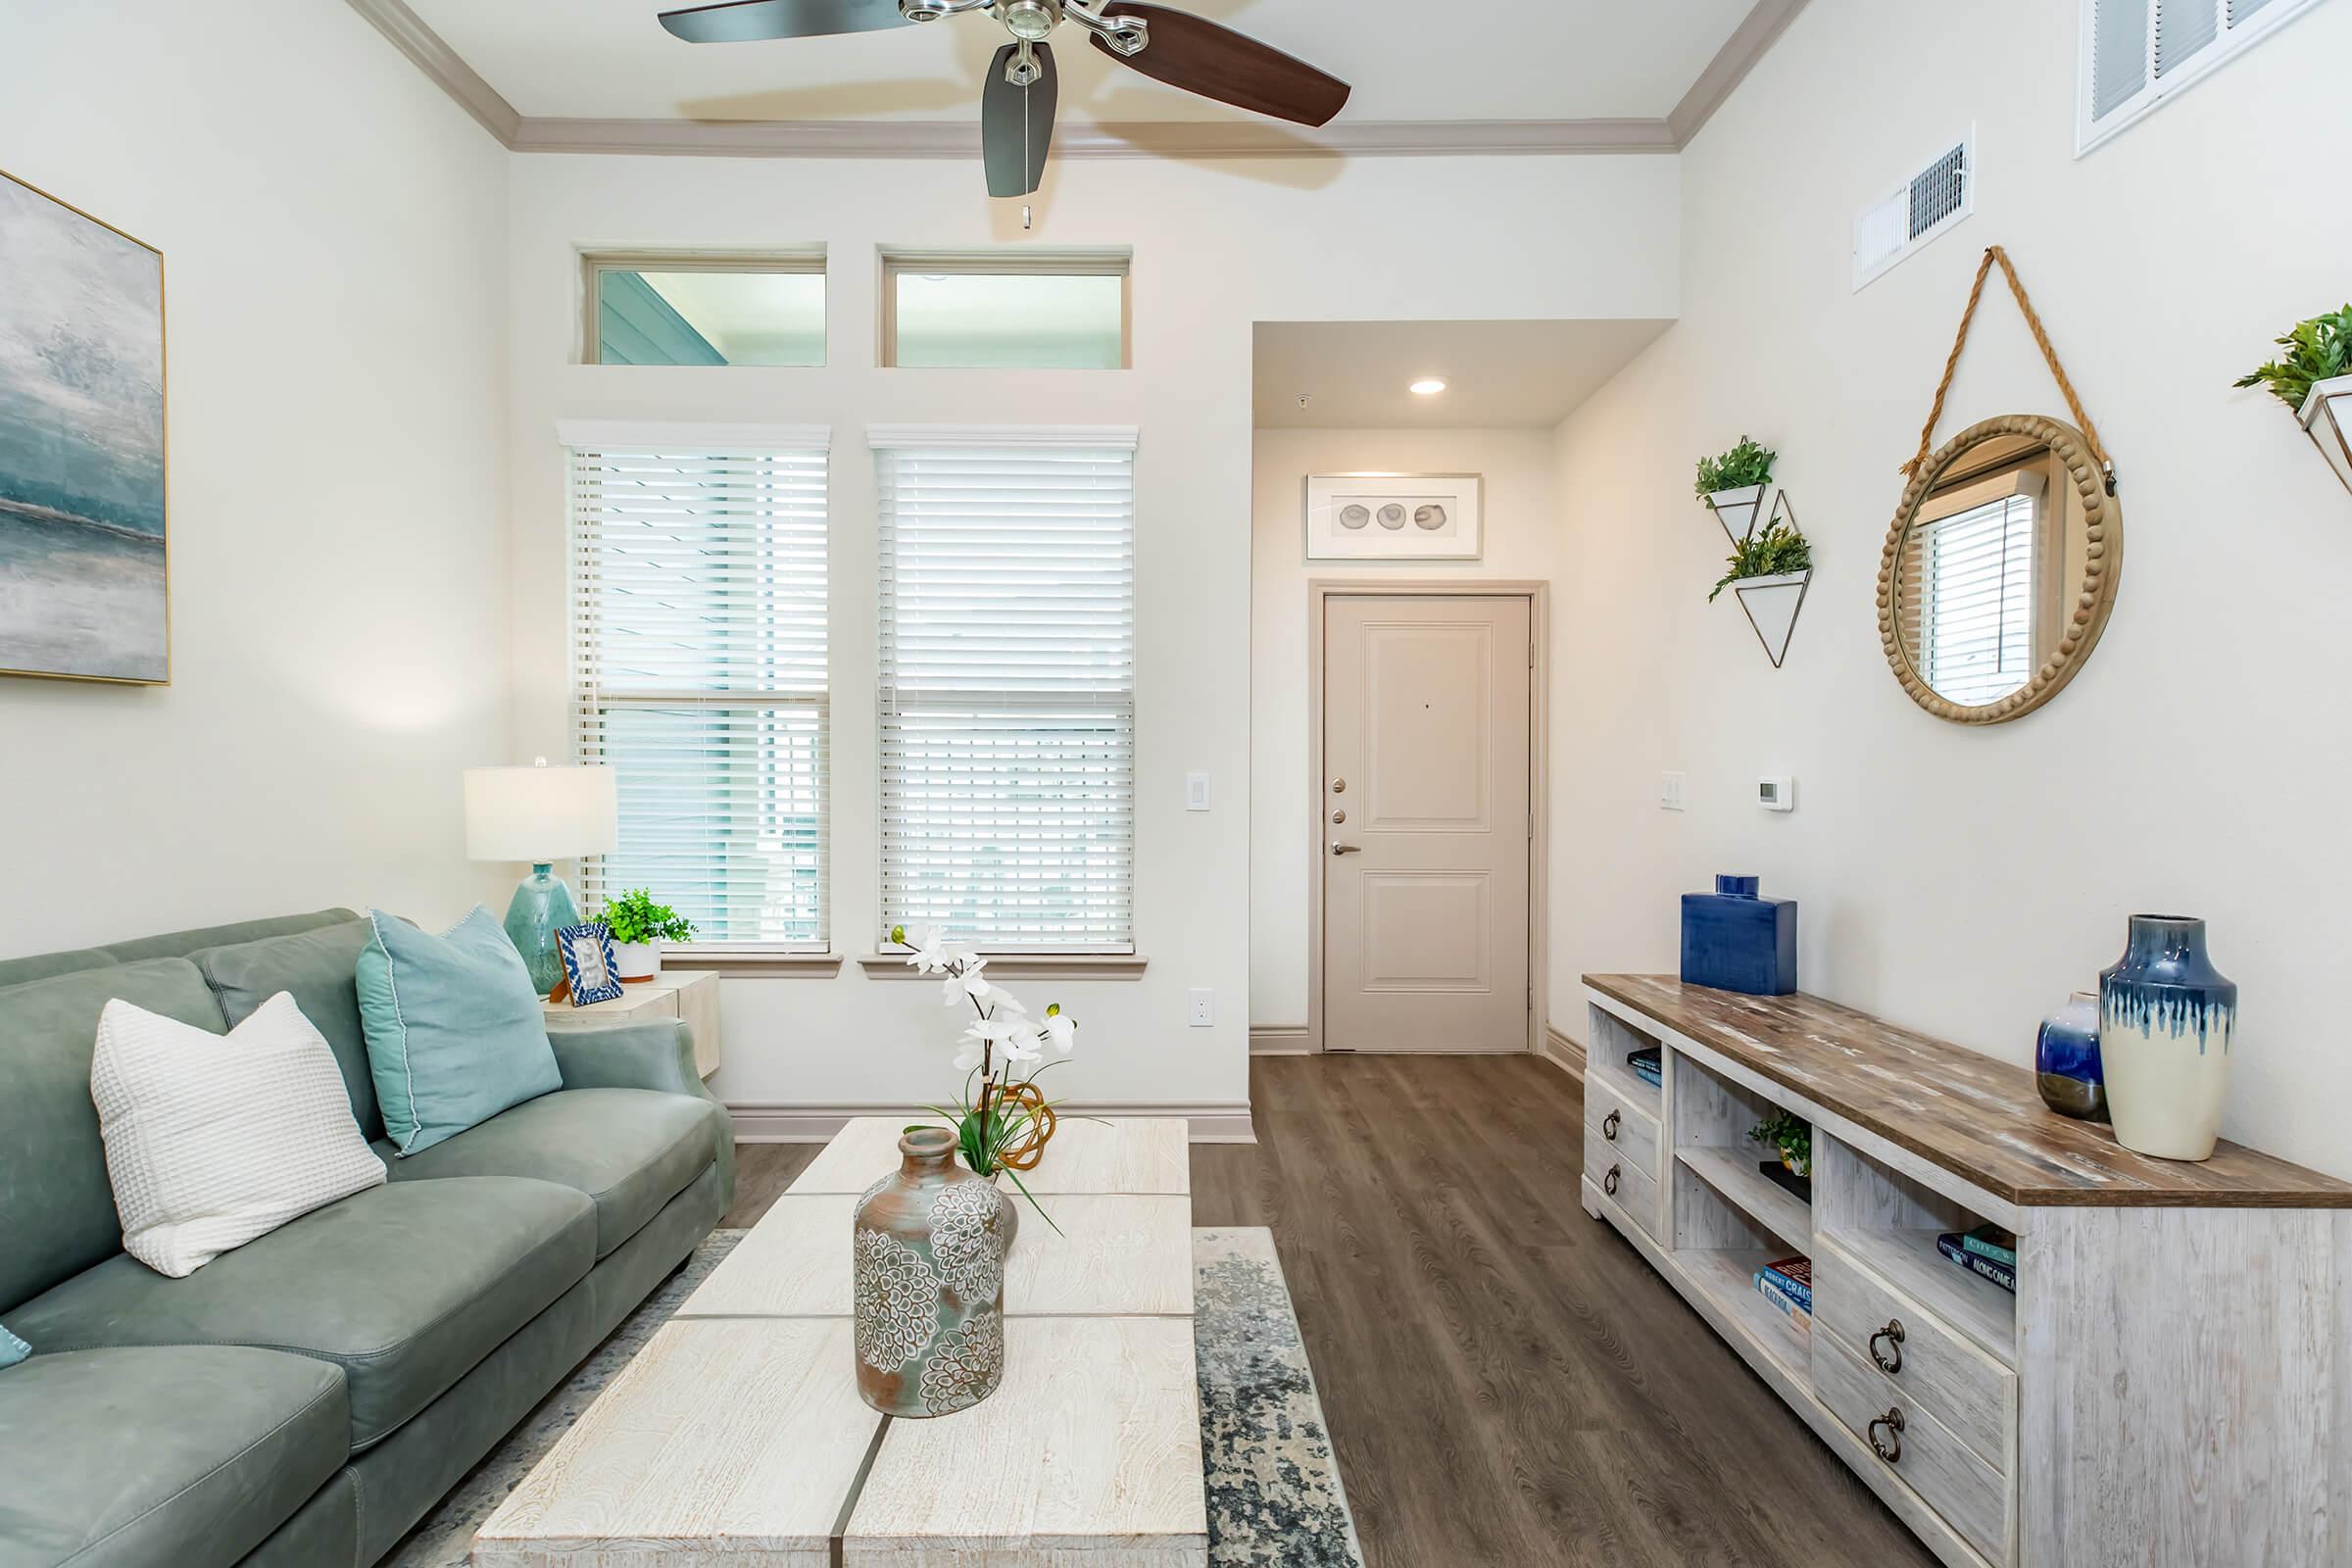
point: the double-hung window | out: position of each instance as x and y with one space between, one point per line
699 666
1007 686
1978 627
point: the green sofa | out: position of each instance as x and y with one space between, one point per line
304 1400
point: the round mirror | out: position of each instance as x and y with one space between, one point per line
2000 569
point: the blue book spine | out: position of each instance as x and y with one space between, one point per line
1768 1287
1795 1289
1952 1248
2006 1256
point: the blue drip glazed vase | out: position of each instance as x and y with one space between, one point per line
2167 1023
2066 1060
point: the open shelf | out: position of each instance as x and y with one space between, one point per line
1732 1174
1611 1038
1971 1303
1728 1279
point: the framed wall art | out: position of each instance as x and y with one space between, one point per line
84 590
1393 517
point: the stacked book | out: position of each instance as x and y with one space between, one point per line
1647 1065
1788 1284
1987 1251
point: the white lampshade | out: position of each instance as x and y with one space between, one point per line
540 814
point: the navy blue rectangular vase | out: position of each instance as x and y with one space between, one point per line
1735 940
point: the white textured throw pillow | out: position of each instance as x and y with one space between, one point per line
212 1140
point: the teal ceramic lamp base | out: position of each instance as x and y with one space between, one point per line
541 905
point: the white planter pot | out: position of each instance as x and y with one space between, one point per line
1772 604
2328 415
637 960
1737 509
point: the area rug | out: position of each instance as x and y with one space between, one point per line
1274 1493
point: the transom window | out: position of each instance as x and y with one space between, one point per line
699 657
1005 312
705 309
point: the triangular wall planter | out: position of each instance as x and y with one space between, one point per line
1772 604
1737 510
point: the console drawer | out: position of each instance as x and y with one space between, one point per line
1965 1389
1629 1130
1944 1472
1637 1190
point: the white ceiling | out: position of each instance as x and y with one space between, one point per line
1497 374
1545 60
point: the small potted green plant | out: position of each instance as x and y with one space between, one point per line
639 927
1792 1137
1733 484
1779 556
2313 378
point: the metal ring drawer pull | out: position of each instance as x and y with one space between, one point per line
1608 1183
1892 1451
1891 1360
1609 1125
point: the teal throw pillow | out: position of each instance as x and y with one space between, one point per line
455 1030
11 1349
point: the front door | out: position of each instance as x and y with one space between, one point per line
1426 830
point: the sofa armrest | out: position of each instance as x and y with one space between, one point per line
658 1054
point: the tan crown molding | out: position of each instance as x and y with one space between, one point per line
1737 57
437 60
1203 140
1213 139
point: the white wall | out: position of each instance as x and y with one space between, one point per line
333 240
1521 541
1217 248
1965 880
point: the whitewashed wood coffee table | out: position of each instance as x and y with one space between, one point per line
736 1438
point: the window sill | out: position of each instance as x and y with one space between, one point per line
1021 966
780 963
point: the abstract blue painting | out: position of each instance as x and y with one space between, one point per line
83 589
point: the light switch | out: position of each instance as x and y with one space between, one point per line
1195 792
1670 792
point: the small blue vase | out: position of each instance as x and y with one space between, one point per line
2066 1060
1736 941
2167 1017
542 905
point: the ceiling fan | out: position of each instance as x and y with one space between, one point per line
1016 106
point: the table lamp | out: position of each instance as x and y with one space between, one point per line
540 814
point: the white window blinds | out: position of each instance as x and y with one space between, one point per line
2136 54
1007 686
699 669
1979 624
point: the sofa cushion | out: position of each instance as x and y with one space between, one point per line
629 1149
179 944
57 1211
456 1034
404 1287
41 965
314 968
190 1455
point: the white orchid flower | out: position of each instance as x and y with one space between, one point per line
1059 1031
931 954
1011 1038
999 1001
969 1057
965 983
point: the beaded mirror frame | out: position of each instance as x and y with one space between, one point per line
2095 597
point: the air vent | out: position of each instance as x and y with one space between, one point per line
2136 54
1938 196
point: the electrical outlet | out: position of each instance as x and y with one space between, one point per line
1200 1008
1670 792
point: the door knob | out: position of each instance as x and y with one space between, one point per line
1347 849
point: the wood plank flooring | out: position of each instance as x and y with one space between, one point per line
1508 1384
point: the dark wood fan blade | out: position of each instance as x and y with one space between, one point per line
1216 62
1016 123
749 20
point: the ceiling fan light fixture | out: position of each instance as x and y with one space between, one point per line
1429 386
921 11
1030 20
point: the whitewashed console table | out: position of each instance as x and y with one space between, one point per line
2170 1386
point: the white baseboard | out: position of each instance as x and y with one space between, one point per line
1279 1040
1562 1052
756 1123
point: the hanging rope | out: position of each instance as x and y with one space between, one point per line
2041 340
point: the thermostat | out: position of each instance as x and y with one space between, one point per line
1776 793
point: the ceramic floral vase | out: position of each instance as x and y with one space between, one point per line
930 1245
2166 1021
2066 1061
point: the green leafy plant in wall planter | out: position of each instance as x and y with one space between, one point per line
1769 572
2313 378
1733 484
639 927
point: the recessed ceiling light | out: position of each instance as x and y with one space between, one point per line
1428 386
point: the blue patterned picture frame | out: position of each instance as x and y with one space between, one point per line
588 963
